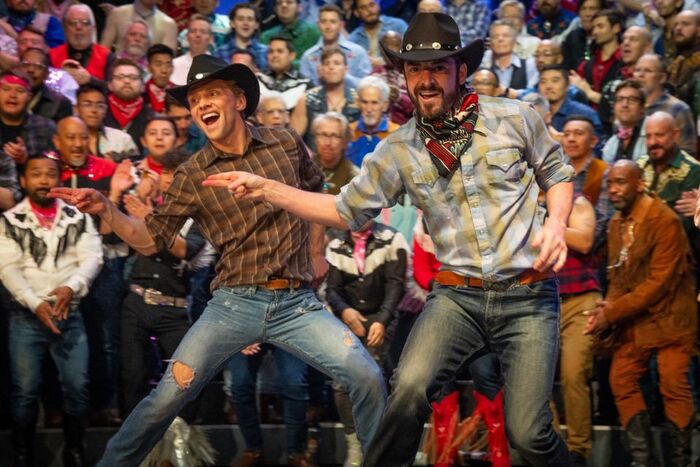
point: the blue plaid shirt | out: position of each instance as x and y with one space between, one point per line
473 18
258 50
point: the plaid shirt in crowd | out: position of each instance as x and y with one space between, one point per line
256 240
37 133
484 217
473 18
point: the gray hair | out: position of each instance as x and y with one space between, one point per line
79 6
538 101
271 96
377 83
332 117
148 29
515 3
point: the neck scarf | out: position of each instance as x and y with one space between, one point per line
124 111
625 133
44 214
448 136
156 95
360 248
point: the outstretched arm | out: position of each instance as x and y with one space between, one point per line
314 207
132 230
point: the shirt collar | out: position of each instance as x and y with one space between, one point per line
383 126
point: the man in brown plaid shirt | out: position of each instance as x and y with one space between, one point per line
268 257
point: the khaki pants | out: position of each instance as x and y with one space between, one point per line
576 370
629 364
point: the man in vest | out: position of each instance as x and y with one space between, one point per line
80 55
514 73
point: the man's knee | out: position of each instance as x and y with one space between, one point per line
182 374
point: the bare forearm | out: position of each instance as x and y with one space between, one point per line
179 248
560 201
318 208
318 239
7 200
578 240
130 229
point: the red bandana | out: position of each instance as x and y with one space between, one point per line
156 95
124 111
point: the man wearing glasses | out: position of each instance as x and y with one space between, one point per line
127 109
80 55
45 101
331 133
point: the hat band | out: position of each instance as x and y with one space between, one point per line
429 46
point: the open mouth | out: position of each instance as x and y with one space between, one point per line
210 118
429 95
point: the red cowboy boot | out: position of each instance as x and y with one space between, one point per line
492 412
445 418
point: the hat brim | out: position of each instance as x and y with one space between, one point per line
470 55
239 73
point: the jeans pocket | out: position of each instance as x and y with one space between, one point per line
310 305
545 288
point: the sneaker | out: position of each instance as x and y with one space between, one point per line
353 457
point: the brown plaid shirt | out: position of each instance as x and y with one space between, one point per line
256 240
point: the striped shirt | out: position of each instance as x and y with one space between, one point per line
484 218
256 241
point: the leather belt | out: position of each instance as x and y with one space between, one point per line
155 297
453 279
279 284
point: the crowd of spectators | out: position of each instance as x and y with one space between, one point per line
83 103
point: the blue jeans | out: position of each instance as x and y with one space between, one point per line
29 342
292 382
520 325
486 375
293 320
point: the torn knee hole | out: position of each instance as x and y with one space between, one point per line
183 375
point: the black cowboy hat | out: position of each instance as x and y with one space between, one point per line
206 68
434 36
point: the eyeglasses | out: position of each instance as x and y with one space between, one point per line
328 136
74 22
31 65
92 105
547 53
127 77
274 111
628 99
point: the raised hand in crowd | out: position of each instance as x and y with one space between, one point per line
17 151
137 208
121 181
76 70
686 203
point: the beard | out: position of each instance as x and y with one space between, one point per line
39 197
434 110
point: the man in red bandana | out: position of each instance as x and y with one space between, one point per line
128 110
160 66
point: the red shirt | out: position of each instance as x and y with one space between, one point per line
600 68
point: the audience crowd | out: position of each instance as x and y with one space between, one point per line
86 323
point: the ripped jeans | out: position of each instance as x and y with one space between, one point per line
234 318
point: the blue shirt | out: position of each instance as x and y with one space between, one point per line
569 107
359 65
473 18
258 50
365 143
388 23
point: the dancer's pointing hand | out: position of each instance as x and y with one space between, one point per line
243 185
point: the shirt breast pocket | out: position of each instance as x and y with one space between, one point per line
424 180
504 165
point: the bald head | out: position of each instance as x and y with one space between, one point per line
72 141
662 137
625 185
485 82
548 53
392 40
429 6
635 41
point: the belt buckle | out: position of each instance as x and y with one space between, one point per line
152 297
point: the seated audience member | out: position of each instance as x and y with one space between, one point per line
245 58
651 73
578 43
245 22
684 66
136 42
330 23
541 105
473 17
401 108
162 28
10 192
485 82
43 312
649 310
513 72
331 134
372 27
81 56
272 111
365 283
189 136
552 20
334 95
554 82
282 77
513 13
549 53
220 24
156 305
629 139
45 102
22 13
21 133
128 110
160 66
104 141
430 6
200 38
636 41
302 35
374 124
